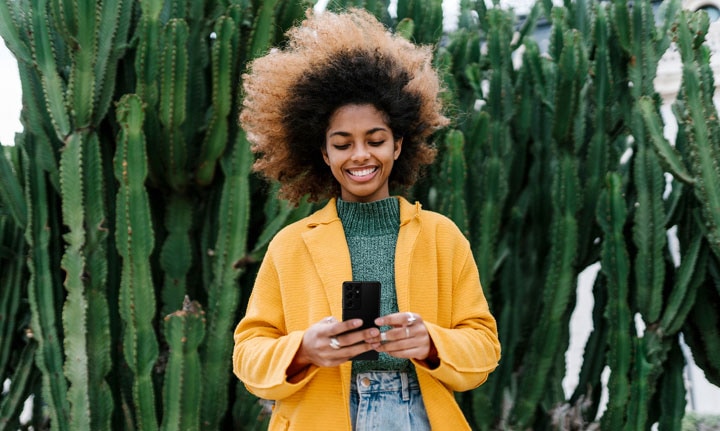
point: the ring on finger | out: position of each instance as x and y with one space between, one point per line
334 343
411 319
383 337
407 332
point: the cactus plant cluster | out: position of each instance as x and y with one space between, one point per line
564 164
131 224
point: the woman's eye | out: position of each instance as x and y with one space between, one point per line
341 146
376 143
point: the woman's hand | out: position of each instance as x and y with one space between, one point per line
408 337
329 343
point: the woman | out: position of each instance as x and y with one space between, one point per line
344 113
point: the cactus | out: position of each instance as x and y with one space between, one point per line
134 237
230 247
182 391
41 294
130 189
612 216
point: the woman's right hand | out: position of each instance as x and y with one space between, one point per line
329 343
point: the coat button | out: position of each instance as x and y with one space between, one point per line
365 382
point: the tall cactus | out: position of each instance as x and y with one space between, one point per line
182 390
135 244
130 189
612 215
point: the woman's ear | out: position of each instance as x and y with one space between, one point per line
323 150
398 148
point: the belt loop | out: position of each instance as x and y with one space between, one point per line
405 386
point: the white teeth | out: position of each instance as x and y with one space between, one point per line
362 172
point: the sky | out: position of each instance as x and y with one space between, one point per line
10 97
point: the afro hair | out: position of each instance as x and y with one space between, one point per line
332 60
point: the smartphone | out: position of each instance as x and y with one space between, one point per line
361 300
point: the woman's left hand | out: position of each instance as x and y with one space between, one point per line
408 337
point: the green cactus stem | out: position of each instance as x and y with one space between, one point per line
182 391
223 78
73 263
223 294
52 84
704 139
453 202
11 194
13 402
649 233
98 333
612 215
559 285
134 238
173 96
41 295
175 256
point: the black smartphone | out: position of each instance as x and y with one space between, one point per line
361 300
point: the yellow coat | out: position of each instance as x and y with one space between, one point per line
299 283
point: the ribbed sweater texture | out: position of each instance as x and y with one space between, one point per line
371 230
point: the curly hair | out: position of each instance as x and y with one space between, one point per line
333 60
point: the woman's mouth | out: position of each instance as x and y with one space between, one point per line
359 173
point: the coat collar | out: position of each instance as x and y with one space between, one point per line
328 214
326 244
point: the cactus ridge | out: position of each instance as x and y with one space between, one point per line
10 21
612 214
73 263
52 84
175 255
216 139
134 243
703 151
11 193
182 390
173 96
223 296
649 234
44 310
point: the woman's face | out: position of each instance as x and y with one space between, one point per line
360 150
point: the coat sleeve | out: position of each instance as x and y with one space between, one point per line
263 347
468 348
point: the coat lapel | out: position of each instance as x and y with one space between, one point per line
407 237
329 252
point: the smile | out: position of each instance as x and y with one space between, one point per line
362 172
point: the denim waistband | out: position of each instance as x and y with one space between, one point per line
385 381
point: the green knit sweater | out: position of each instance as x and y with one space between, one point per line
371 230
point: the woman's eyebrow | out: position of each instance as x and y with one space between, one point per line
369 132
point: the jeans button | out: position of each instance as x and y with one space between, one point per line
365 382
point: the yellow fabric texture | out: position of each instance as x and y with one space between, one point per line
299 284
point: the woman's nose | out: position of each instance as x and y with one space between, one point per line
360 152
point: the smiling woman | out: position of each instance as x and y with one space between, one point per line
11 97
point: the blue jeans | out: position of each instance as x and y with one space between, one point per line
387 400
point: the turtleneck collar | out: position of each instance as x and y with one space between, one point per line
369 218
